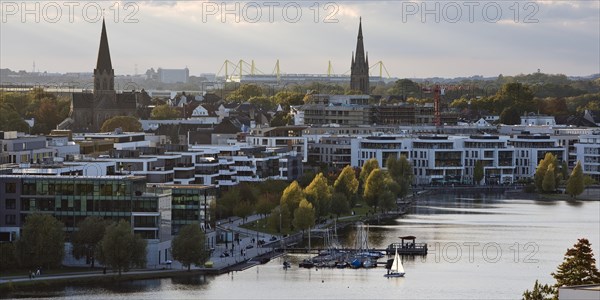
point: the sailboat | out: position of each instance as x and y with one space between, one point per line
397 270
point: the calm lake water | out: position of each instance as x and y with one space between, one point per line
480 247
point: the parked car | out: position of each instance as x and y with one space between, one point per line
249 246
224 254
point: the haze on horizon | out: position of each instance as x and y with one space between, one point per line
414 39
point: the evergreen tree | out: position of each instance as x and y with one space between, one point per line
540 292
578 267
575 183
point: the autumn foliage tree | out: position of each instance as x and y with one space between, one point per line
318 192
304 216
575 183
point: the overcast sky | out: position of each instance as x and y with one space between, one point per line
412 38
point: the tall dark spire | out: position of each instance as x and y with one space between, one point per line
104 75
359 71
104 63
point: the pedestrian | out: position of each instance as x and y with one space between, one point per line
37 272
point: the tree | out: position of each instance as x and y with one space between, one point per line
578 267
11 120
164 112
41 242
368 166
126 123
245 92
540 172
189 246
8 258
121 249
374 185
286 98
280 219
401 172
549 182
87 238
262 102
386 201
347 184
510 116
318 193
243 209
564 170
339 204
292 196
304 216
478 172
575 183
540 292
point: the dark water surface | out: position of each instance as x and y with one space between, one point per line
480 247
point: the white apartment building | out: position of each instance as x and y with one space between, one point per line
530 149
587 151
497 156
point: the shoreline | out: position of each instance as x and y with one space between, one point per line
21 286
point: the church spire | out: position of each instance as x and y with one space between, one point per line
359 71
104 75
104 64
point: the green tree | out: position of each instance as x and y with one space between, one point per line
549 182
280 219
374 185
262 102
387 201
304 216
126 123
478 172
401 172
339 204
8 257
347 184
164 112
318 193
292 196
540 172
244 93
510 116
540 292
41 242
564 170
367 167
281 119
575 183
87 238
121 249
243 209
578 267
189 246
11 120
286 98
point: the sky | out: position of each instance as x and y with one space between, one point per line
413 39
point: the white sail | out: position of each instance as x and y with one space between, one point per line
398 262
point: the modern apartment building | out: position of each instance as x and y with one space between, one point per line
587 151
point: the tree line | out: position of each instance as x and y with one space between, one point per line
46 108
42 244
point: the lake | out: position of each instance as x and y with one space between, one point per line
480 247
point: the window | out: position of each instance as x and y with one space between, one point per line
10 219
10 204
10 187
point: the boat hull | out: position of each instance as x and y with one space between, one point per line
392 275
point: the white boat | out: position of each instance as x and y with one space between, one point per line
397 270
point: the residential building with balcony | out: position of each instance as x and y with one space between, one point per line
587 151
530 150
497 157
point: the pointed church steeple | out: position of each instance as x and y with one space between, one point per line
104 75
359 71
